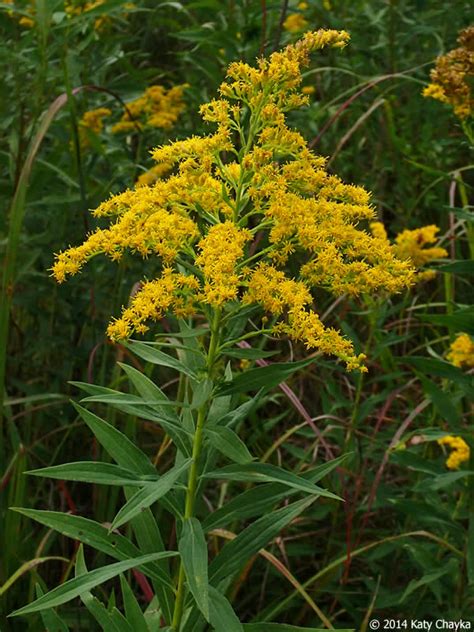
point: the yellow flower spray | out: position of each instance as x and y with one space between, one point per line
239 206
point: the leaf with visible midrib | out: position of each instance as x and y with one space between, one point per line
87 581
255 537
91 472
193 550
265 376
155 356
149 494
267 473
95 535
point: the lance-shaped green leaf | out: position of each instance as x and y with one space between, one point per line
155 356
232 417
193 550
132 402
460 320
125 403
120 448
93 389
93 605
262 377
268 473
133 612
260 499
440 368
92 472
149 494
223 617
147 388
146 530
95 535
256 536
51 619
228 443
87 581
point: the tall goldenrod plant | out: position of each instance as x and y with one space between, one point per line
248 222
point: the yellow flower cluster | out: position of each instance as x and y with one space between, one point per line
171 291
277 293
410 246
148 223
220 250
75 8
461 351
460 451
452 77
92 120
242 206
23 20
156 107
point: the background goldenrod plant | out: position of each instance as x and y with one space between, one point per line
243 277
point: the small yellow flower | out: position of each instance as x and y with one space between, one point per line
378 230
308 89
461 351
410 244
295 23
92 120
460 451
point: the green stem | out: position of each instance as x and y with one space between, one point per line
194 469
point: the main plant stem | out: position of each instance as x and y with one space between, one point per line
194 469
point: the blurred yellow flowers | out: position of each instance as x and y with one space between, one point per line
156 107
460 452
461 351
451 78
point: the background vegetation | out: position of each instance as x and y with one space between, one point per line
402 544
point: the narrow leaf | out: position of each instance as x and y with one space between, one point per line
259 500
145 387
95 535
146 530
262 377
87 581
223 617
133 612
228 443
92 472
120 448
256 536
193 551
149 494
51 620
155 356
267 473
